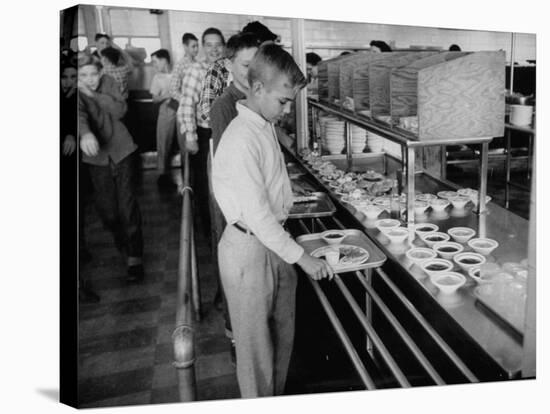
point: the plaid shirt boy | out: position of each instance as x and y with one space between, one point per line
120 75
193 80
217 78
178 74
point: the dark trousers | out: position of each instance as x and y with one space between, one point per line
199 177
117 205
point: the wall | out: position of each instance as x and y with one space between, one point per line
323 37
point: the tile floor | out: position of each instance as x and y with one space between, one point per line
125 345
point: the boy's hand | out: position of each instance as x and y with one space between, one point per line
89 144
192 146
69 145
317 269
82 87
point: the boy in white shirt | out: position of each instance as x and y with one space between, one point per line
256 254
166 122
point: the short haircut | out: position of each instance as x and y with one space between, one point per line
162 54
67 65
313 58
111 54
383 46
85 59
212 31
101 35
187 37
454 48
260 30
239 42
271 57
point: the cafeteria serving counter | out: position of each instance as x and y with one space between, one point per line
487 342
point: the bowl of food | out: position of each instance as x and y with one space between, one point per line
461 234
420 206
448 282
447 249
385 225
417 255
438 205
372 211
447 194
468 260
397 235
435 267
333 236
434 237
425 228
468 192
483 246
459 202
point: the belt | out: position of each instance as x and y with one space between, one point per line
247 231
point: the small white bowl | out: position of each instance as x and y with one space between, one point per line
459 202
426 197
425 228
468 192
417 255
461 234
448 282
483 246
475 273
438 205
385 225
446 195
447 250
435 267
420 206
333 236
434 237
468 260
371 211
397 235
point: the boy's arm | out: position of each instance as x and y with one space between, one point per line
220 117
175 81
110 99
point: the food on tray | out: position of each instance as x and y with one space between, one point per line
372 175
349 255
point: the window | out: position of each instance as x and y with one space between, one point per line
136 27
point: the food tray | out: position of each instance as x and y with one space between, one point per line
294 170
311 242
501 313
321 207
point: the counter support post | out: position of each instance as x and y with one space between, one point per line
484 167
508 138
348 144
410 192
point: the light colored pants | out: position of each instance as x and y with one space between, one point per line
166 126
261 294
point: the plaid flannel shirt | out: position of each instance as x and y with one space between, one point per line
177 77
187 114
217 78
119 74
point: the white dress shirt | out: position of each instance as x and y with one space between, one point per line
251 182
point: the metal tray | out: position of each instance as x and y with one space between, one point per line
321 207
311 242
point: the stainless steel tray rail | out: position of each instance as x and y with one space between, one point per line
373 337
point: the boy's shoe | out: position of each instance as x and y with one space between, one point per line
166 183
135 273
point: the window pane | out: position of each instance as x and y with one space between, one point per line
132 22
120 42
150 44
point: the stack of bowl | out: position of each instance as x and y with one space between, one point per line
375 142
358 139
332 135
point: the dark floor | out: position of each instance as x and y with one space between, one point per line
125 346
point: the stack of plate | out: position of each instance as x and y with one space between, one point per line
375 142
332 135
358 139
